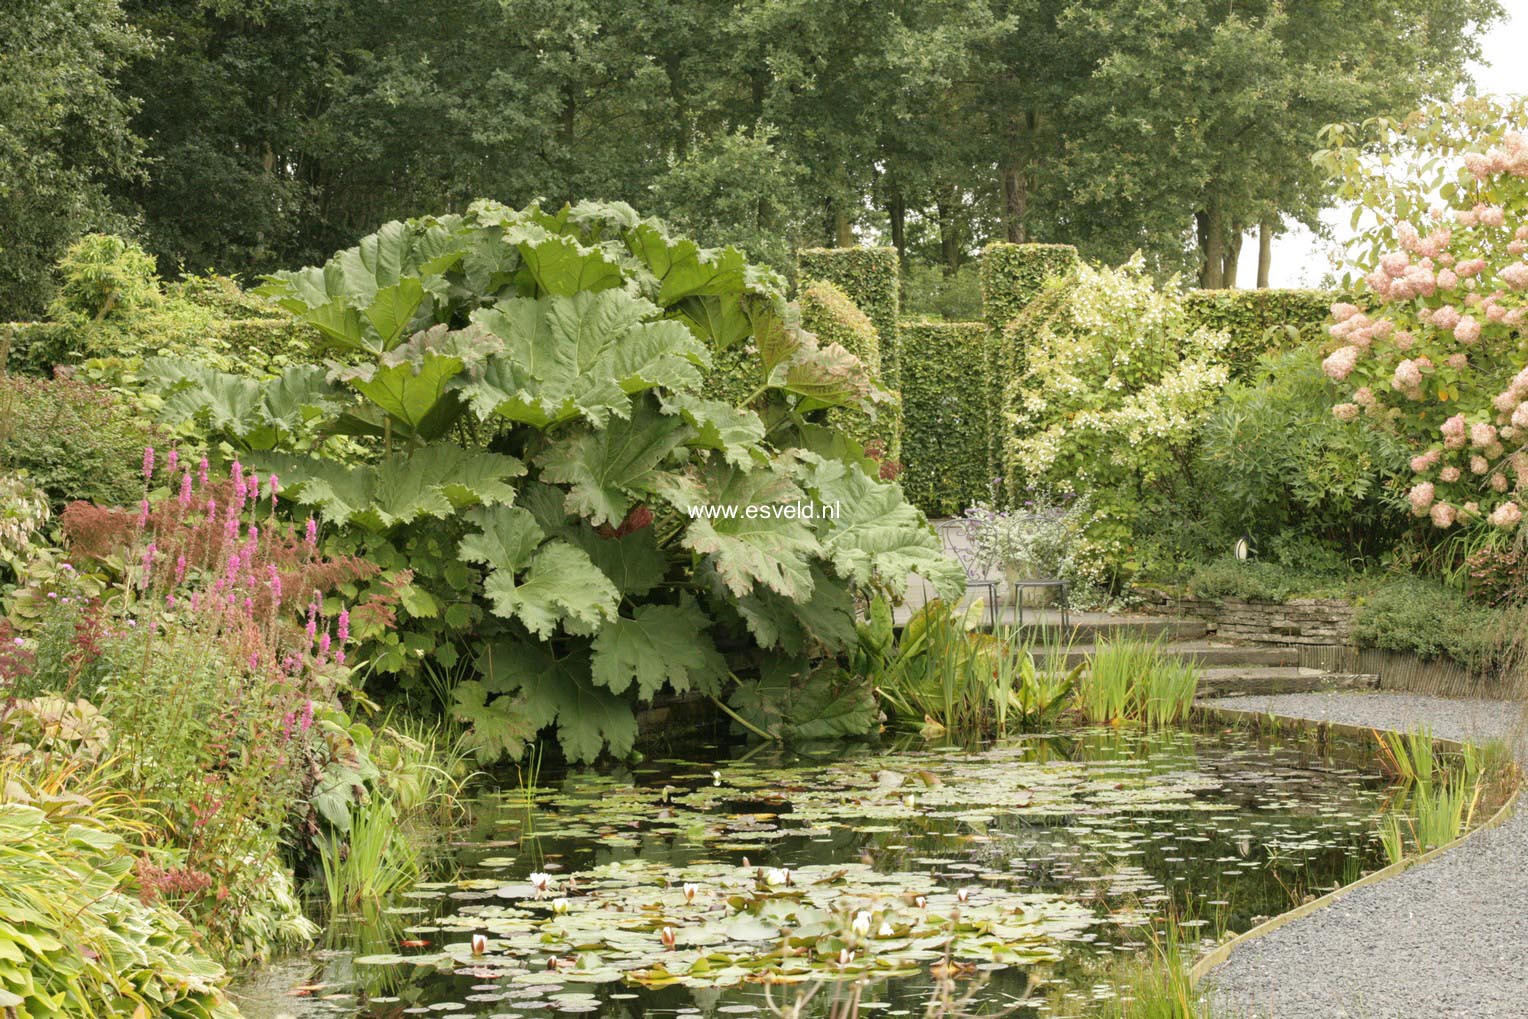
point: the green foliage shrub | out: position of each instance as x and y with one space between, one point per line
1273 463
528 389
1260 322
871 278
111 310
929 292
944 415
1426 618
72 439
1115 386
1263 580
75 939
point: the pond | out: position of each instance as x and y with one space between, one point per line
1012 873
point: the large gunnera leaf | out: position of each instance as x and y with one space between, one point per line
252 413
435 481
657 644
609 470
411 382
743 521
580 356
369 296
589 717
869 530
791 700
544 584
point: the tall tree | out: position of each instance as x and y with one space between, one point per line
65 135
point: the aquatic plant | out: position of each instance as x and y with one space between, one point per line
1128 679
370 862
949 677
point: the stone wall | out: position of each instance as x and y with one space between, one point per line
1299 621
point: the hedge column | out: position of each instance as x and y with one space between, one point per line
872 279
944 415
1012 275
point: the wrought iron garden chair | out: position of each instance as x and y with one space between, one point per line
976 577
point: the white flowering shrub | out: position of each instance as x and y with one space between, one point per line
1115 387
23 513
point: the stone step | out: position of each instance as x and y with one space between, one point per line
1084 632
1203 653
1224 682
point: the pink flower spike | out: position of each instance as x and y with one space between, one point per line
143 514
185 490
201 472
171 462
252 485
344 626
324 643
238 474
307 717
180 568
148 462
311 535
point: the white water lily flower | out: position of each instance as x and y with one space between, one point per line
559 905
539 881
776 876
861 923
885 930
963 894
479 944
690 888
667 937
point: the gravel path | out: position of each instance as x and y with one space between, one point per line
1444 940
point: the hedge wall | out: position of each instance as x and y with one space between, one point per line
250 344
944 414
872 279
833 317
1012 275
1259 321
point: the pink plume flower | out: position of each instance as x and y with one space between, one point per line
148 462
310 534
201 472
185 490
172 461
344 626
180 568
143 514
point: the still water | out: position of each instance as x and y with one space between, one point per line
1012 874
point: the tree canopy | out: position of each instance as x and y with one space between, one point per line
249 135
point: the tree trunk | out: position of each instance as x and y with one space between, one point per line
949 238
1232 257
896 211
1212 247
1015 203
1264 253
843 231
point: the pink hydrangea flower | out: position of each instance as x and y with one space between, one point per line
1449 474
1478 464
1507 515
1468 330
1407 376
1340 363
1345 411
1342 311
1515 275
1482 434
1445 318
1425 461
1421 497
1443 515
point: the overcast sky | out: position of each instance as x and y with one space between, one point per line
1299 258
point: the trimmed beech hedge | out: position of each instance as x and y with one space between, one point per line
1260 321
833 317
872 279
944 414
259 344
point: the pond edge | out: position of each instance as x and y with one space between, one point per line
1234 716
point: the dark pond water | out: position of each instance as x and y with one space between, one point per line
1018 872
